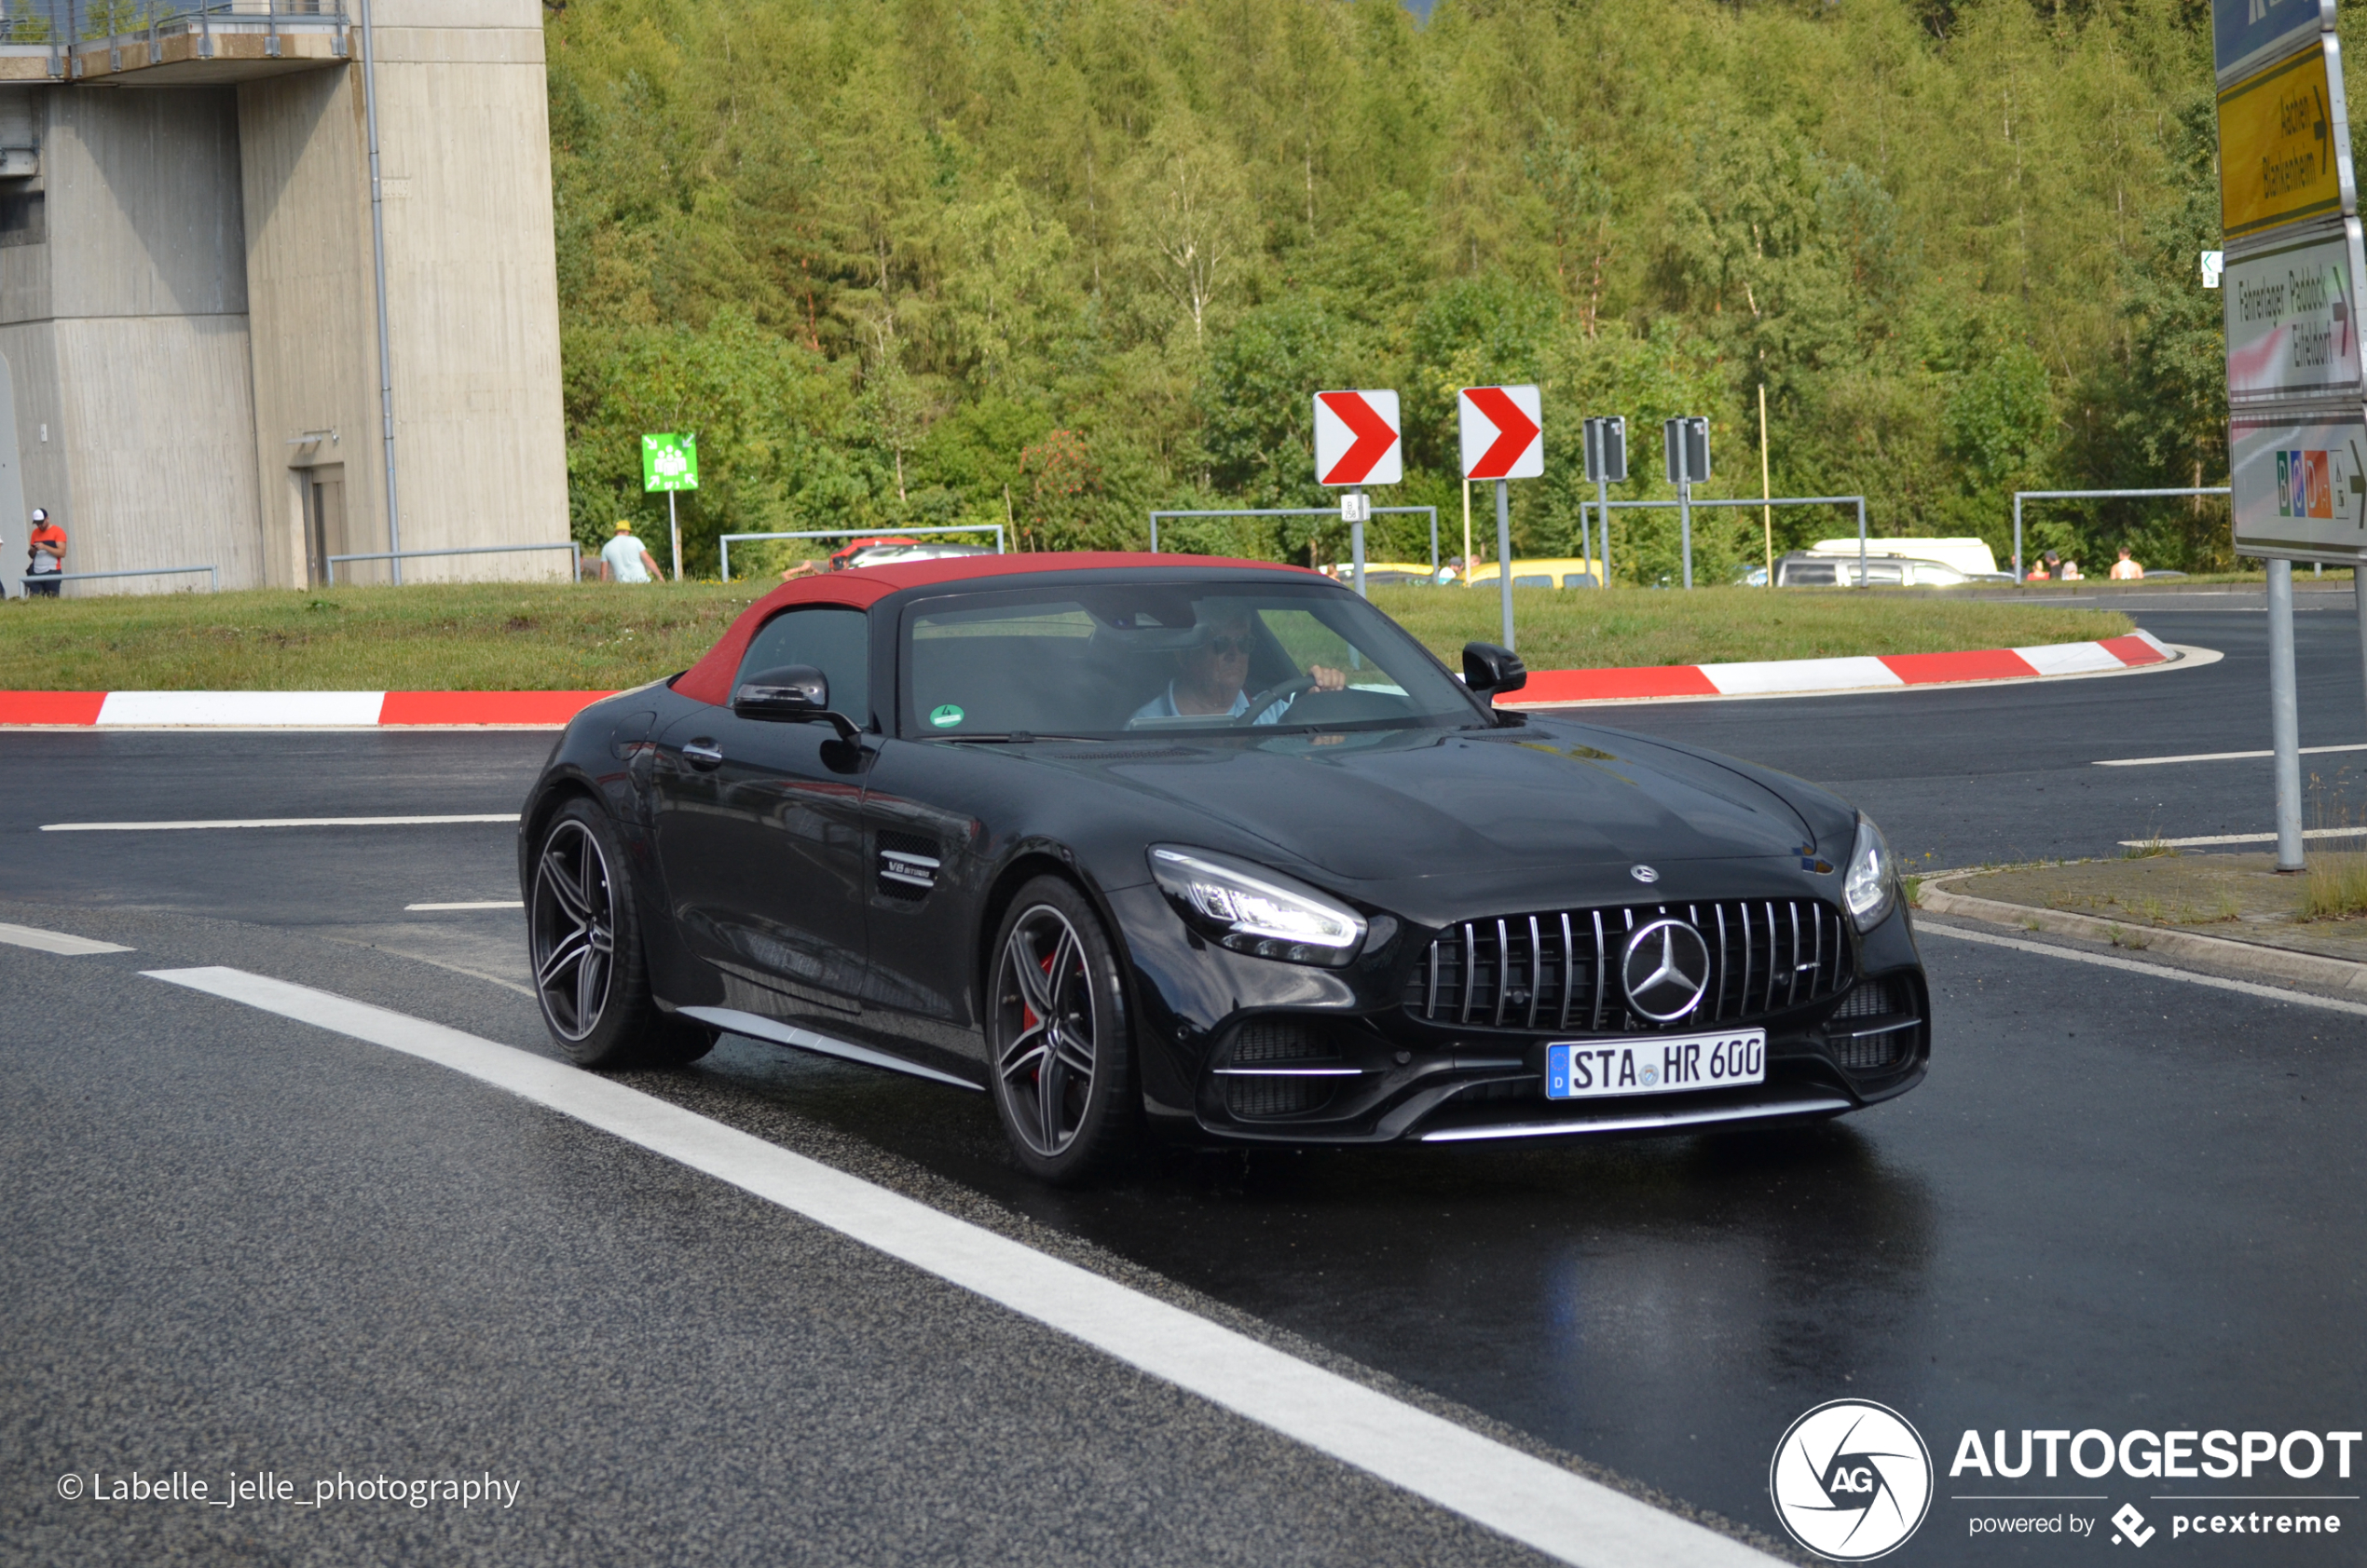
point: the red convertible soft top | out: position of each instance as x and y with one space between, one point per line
710 680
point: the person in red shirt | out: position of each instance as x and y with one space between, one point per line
45 556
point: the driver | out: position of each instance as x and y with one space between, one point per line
1214 670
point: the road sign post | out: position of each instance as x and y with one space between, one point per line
670 463
1356 444
1606 465
1685 441
1504 438
2291 269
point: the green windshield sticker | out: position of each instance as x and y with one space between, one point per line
945 717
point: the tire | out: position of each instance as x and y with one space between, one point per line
583 938
1061 1044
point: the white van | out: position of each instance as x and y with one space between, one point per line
1971 557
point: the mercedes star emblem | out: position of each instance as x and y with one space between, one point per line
1643 873
1665 968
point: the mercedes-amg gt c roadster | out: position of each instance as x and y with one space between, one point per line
1149 844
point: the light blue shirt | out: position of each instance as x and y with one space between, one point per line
1163 707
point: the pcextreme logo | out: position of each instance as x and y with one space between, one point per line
1851 1480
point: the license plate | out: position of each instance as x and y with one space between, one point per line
1600 1069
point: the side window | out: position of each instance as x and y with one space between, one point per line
834 640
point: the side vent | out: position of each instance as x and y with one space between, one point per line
907 865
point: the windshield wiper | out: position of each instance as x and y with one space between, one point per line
1017 738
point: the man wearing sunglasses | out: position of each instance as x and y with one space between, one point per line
1214 669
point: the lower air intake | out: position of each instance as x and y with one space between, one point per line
1261 1099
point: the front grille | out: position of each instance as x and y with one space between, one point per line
1559 971
1253 1099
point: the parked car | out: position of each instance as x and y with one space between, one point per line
1816 569
1380 572
1556 572
994 821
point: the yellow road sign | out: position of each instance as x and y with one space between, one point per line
2277 146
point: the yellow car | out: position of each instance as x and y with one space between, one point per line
1563 571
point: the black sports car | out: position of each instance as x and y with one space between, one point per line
1140 842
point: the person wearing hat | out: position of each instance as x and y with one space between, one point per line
45 556
626 559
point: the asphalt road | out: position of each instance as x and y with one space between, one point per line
2124 1200
1981 773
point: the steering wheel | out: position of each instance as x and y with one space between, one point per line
1274 694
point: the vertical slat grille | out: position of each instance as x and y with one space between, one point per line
1557 970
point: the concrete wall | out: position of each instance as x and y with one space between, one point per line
199 332
312 314
126 335
472 284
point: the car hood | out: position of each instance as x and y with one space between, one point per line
1381 807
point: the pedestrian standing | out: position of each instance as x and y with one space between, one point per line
2126 570
626 559
45 556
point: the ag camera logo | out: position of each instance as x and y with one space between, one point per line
1850 1479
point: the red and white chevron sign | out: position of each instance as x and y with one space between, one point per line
1356 439
1503 432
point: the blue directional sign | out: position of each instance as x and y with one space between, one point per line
2249 32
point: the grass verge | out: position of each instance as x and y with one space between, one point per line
1578 629
553 636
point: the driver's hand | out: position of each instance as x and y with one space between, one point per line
1327 679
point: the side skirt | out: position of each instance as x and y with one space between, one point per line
758 1028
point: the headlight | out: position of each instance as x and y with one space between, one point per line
1250 910
1869 887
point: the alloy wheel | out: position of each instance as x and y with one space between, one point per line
573 929
1048 1025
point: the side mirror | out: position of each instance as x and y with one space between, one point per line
1492 669
792 694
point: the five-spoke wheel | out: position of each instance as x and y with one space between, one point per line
1058 1028
573 927
585 941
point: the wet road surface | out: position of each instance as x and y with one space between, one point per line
2121 1200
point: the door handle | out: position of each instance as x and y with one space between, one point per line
702 754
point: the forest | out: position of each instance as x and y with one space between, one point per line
1055 263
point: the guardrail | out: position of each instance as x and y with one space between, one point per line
2022 496
570 546
729 539
63 25
213 575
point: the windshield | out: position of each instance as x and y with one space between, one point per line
1167 659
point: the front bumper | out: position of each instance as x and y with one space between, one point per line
1247 1050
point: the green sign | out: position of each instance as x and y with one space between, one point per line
669 462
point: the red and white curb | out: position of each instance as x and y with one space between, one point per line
550 710
1802 678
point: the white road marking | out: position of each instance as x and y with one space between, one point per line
54 941
1536 1504
2213 756
2159 972
2241 839
269 822
481 904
